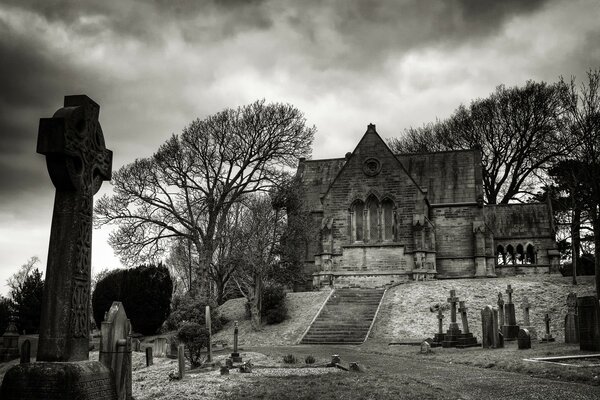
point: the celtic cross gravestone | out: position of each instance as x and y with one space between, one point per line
78 162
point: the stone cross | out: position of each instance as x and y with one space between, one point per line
453 300
547 337
571 323
509 292
440 317
78 162
208 327
500 309
463 315
525 306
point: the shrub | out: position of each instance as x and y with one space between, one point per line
191 308
309 360
194 337
27 299
274 309
289 359
145 292
5 312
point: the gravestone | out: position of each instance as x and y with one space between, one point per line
115 348
489 328
451 337
181 360
208 328
588 310
510 329
160 347
25 352
500 309
10 342
466 338
524 339
77 162
571 324
425 347
547 336
438 338
149 357
224 370
525 306
235 356
135 345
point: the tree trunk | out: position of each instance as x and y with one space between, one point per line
575 239
596 224
256 303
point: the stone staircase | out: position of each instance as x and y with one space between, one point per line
346 317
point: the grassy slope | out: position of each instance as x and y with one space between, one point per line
405 313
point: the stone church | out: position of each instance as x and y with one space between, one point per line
384 218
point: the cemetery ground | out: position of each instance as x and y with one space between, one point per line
388 371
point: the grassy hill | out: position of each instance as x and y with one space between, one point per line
405 314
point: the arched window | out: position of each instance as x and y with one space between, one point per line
373 218
510 254
357 214
388 219
530 257
500 255
520 256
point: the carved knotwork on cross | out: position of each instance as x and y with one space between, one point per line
78 162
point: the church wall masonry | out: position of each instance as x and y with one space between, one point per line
382 218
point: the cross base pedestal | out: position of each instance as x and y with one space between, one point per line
467 340
235 357
451 337
547 339
81 380
438 338
510 332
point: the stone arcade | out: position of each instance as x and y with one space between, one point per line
383 218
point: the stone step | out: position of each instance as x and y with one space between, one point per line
346 318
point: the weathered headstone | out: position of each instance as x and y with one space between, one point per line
181 360
115 348
524 339
224 370
425 347
451 338
439 336
488 334
571 324
208 327
26 352
499 336
78 162
10 342
510 329
335 359
525 306
547 336
235 356
149 357
135 345
588 310
500 309
160 347
466 338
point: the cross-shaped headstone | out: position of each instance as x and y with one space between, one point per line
463 315
572 303
547 320
525 306
509 292
78 162
453 300
440 317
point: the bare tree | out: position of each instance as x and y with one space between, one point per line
261 229
583 111
519 131
188 187
16 280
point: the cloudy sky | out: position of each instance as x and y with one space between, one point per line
154 66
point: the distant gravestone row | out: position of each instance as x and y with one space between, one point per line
499 324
